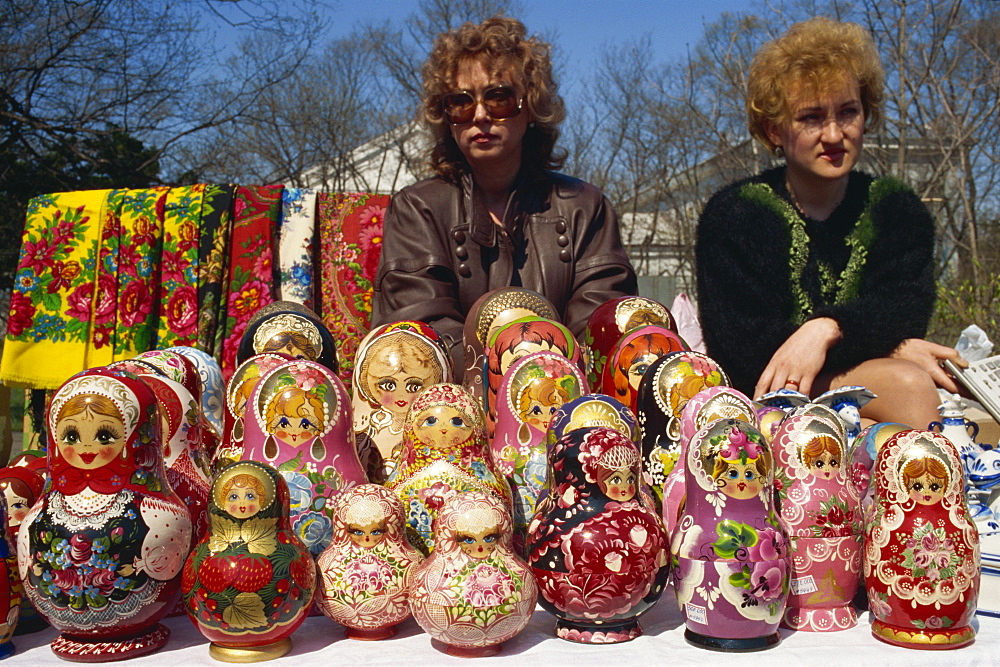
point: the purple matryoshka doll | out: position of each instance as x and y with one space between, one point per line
363 571
299 421
21 487
444 452
520 338
289 328
491 311
632 356
665 388
101 553
241 385
394 363
473 593
213 389
532 390
731 555
592 410
707 406
821 513
595 546
613 319
249 583
768 419
921 553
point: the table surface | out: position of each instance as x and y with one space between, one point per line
321 642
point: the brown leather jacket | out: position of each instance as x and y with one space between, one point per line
441 252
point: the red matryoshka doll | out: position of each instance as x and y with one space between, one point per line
363 571
101 553
238 391
921 554
731 554
299 421
708 405
11 590
289 328
491 311
395 362
518 339
249 583
444 452
613 319
473 593
213 389
21 487
632 356
667 385
532 390
595 546
821 513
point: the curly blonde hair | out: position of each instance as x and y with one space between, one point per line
805 62
502 46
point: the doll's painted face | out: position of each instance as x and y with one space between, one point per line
17 506
442 426
824 466
926 489
523 349
539 413
367 535
296 418
617 483
740 480
243 502
89 440
638 368
398 374
480 543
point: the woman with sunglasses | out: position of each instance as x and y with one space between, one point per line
813 275
495 214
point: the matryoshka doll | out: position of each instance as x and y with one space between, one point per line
21 487
665 388
101 553
864 450
491 311
363 571
473 593
241 385
532 390
595 546
821 512
289 328
213 389
518 339
921 554
729 550
592 410
444 452
11 590
249 583
395 362
613 319
299 421
632 356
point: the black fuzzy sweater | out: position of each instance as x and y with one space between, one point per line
746 283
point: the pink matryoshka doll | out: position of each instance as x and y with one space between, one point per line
101 553
363 571
394 363
289 328
595 546
665 388
250 582
613 319
520 338
473 593
632 356
241 385
491 311
21 487
821 512
708 405
731 554
532 390
299 421
921 553
444 452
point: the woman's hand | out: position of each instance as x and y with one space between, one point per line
929 356
799 360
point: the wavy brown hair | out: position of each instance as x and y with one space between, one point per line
502 46
807 61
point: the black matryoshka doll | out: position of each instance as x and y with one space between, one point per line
100 555
613 319
249 583
289 328
595 546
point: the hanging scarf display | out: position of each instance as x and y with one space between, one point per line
213 263
178 293
295 245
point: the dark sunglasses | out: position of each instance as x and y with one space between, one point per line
500 102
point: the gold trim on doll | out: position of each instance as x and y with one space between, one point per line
639 311
531 304
597 413
291 334
234 485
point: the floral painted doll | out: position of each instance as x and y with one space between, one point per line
473 593
363 585
213 388
290 328
595 544
101 553
249 583
731 554
592 410
921 553
240 387
444 452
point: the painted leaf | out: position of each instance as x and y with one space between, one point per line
259 534
224 532
246 611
